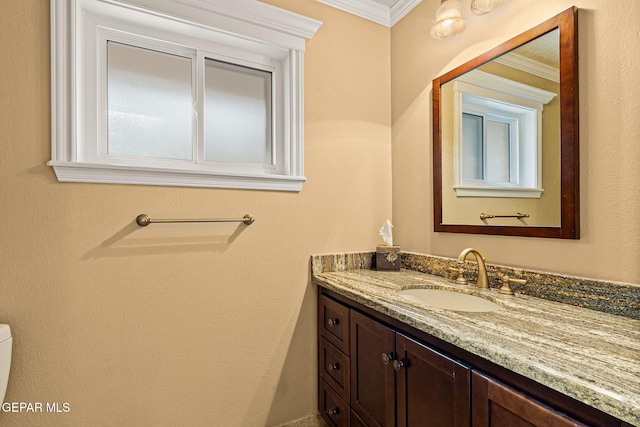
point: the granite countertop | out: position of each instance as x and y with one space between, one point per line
591 356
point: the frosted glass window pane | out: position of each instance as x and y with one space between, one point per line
498 154
238 114
150 103
472 152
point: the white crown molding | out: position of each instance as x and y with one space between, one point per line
373 11
401 8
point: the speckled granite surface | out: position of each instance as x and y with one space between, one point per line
589 355
622 299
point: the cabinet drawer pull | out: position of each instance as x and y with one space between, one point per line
334 412
386 358
397 365
332 322
334 367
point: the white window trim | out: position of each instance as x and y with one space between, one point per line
240 24
493 87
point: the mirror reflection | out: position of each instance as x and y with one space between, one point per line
501 139
506 140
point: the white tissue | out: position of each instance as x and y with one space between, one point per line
386 233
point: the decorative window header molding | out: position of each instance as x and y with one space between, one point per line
227 15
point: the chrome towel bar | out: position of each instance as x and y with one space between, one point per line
143 220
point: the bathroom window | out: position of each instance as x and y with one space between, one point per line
238 124
149 104
497 137
187 94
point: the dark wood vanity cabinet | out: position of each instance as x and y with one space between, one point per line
396 381
431 389
495 404
334 382
393 379
372 373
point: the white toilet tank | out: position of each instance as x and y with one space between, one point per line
5 358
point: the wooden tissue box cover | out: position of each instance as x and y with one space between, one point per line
388 258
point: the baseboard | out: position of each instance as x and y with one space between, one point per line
313 420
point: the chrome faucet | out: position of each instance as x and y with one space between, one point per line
483 278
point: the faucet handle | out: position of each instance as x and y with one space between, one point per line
506 289
460 280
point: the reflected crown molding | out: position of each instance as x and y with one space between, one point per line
530 66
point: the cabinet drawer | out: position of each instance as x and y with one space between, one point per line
334 410
333 320
334 367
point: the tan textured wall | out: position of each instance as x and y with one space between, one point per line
176 325
609 247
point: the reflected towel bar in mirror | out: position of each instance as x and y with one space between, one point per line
143 220
518 215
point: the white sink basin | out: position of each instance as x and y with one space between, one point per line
448 300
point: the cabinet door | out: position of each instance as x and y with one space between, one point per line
495 404
372 380
432 389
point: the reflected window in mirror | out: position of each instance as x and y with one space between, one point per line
497 135
489 148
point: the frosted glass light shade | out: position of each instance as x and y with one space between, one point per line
480 7
449 20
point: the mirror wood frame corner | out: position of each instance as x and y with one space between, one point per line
567 24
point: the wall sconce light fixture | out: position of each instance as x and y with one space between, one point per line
449 20
480 7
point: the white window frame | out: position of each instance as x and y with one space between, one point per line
243 32
483 93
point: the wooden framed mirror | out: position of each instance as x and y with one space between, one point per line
506 137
